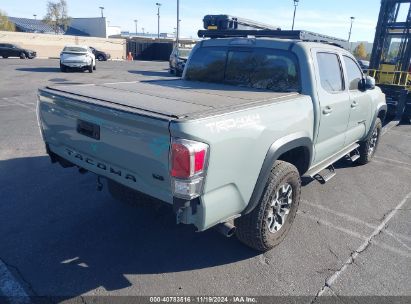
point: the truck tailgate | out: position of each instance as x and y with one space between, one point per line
127 147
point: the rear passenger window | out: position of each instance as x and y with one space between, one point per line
258 68
267 69
330 72
207 64
353 72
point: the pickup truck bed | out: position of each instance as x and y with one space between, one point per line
170 99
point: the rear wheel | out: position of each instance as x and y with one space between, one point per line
22 55
5 57
369 146
100 57
63 68
90 68
269 222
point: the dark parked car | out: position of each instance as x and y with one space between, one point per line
12 50
364 64
100 55
178 59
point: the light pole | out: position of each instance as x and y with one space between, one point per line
102 9
295 10
178 24
35 16
349 34
136 22
158 19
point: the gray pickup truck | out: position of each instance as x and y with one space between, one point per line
226 145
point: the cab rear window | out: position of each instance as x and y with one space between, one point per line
259 68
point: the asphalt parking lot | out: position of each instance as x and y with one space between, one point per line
59 237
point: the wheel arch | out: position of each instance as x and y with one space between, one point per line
295 148
380 113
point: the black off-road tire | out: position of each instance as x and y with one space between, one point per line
94 67
23 55
252 228
365 154
90 68
5 57
100 58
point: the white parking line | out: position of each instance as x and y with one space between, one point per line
390 164
120 82
363 246
356 235
389 126
10 288
21 105
393 160
356 220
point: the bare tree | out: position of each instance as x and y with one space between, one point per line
57 16
5 24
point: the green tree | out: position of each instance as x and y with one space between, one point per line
5 24
360 51
57 16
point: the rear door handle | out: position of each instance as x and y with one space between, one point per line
327 110
354 104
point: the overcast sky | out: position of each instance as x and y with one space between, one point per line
331 17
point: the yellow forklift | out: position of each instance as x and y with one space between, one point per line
391 55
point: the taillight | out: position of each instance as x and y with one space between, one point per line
187 167
187 158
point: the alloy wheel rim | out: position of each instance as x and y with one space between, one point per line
373 142
280 208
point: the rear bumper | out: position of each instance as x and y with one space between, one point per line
76 65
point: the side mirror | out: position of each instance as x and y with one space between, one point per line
367 83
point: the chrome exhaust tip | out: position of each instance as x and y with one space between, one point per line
227 229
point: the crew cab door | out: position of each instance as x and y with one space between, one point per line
12 51
5 50
334 102
360 103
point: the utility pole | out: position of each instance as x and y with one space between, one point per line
158 19
349 34
178 24
136 22
101 8
295 10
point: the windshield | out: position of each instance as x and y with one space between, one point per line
184 53
259 68
74 49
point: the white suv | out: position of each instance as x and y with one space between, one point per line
77 57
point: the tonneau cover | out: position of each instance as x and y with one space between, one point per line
174 98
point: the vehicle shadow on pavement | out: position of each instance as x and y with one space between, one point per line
40 70
164 73
66 239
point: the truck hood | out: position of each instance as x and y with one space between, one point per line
172 98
